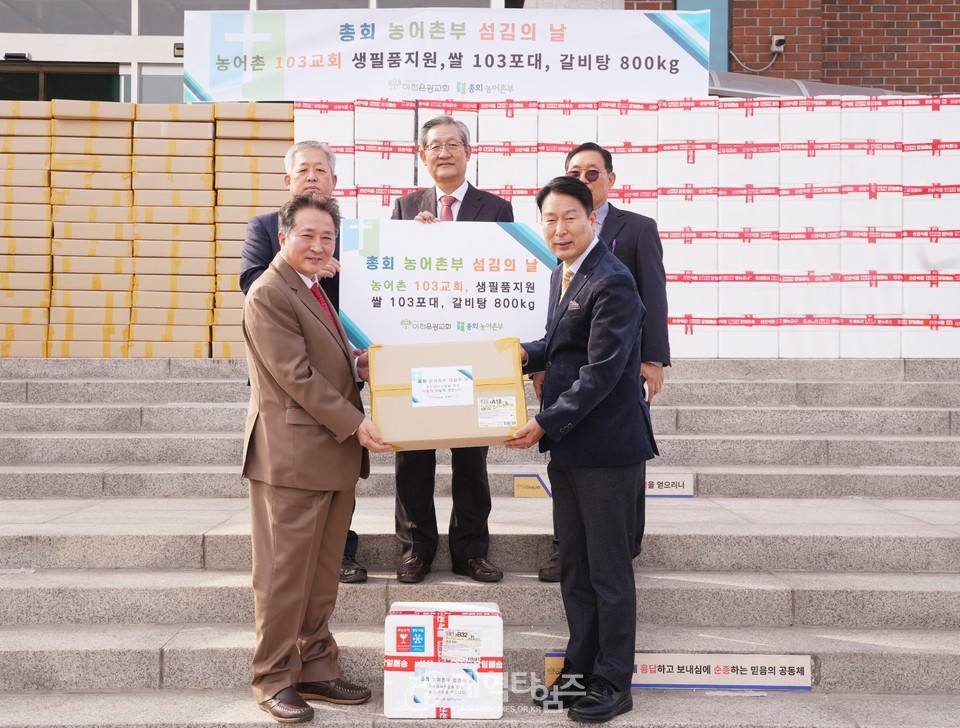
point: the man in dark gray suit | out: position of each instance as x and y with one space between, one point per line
597 428
310 168
445 150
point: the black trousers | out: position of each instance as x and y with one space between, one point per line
592 508
416 515
641 516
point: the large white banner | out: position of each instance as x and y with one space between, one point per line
405 282
475 54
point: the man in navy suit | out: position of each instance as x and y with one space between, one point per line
445 150
310 168
596 425
635 241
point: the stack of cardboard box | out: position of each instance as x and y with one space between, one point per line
172 231
92 232
251 142
24 227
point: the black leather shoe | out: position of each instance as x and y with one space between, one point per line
477 568
564 692
601 703
334 691
351 572
287 707
551 572
412 570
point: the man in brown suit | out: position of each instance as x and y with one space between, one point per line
304 449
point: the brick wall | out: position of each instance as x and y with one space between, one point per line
911 47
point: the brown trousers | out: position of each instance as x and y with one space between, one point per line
298 538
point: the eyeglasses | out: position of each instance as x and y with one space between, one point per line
591 175
451 147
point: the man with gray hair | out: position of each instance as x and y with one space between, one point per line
310 169
445 150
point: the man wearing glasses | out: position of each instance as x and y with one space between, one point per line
445 150
635 241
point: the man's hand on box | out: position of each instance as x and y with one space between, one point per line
526 436
370 437
363 364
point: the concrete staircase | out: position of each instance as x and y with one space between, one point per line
826 522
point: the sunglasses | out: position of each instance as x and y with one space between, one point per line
591 175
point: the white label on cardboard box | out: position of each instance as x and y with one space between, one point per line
442 386
497 411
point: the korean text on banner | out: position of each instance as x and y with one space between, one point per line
473 54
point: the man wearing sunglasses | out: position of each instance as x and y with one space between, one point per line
635 241
445 150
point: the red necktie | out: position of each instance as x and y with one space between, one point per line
446 211
315 290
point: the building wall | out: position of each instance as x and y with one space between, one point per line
910 47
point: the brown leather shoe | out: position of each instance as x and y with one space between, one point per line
477 568
412 570
334 691
287 707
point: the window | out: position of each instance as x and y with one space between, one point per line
165 17
78 17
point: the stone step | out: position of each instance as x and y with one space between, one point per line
881 370
215 657
717 393
700 534
224 481
715 599
206 448
652 709
34 369
231 417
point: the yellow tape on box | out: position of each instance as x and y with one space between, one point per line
228 350
24 161
90 299
25 316
174 147
174 112
92 110
99 248
24 281
81 213
243 111
169 299
23 332
88 332
172 349
87 349
92 264
172 316
23 349
24 263
90 316
175 284
24 299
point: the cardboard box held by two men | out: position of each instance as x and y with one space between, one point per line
450 394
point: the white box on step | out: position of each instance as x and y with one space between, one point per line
443 660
